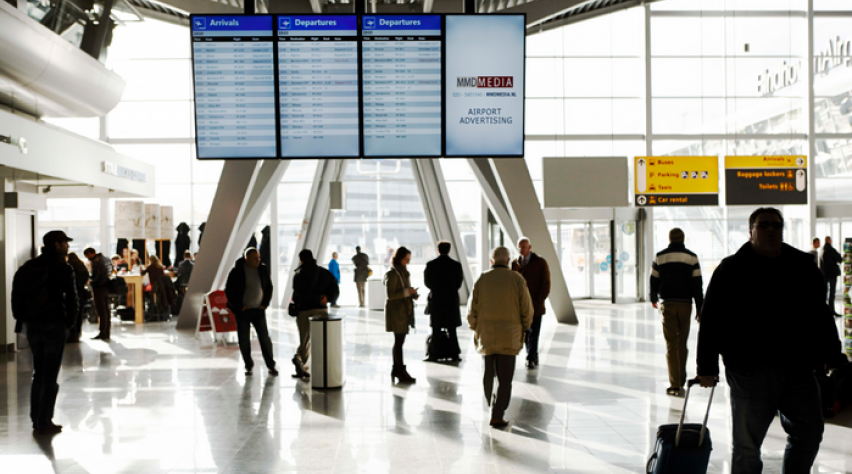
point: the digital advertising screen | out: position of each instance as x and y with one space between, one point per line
484 86
234 77
318 85
402 94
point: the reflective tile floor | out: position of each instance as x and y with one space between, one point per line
156 400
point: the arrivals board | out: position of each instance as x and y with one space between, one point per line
766 180
676 181
401 57
234 76
318 85
484 85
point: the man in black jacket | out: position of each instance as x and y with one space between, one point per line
101 273
444 277
313 288
249 290
44 298
676 278
765 314
829 263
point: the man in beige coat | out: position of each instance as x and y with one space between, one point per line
500 313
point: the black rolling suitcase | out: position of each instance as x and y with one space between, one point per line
440 348
682 448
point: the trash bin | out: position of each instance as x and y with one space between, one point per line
327 364
376 295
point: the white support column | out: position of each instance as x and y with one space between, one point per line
810 108
491 193
647 224
106 245
524 208
316 223
273 242
440 216
322 247
268 177
229 204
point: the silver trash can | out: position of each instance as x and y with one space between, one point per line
327 362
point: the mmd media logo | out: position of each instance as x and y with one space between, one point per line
200 23
369 23
486 82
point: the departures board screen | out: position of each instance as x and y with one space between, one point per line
318 86
234 78
341 86
401 57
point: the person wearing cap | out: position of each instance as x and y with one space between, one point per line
44 299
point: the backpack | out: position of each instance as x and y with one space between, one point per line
30 293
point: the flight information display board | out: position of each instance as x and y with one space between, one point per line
761 180
318 85
485 85
234 76
402 90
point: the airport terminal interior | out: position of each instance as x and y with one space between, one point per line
599 126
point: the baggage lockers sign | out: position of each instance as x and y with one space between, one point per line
758 180
676 181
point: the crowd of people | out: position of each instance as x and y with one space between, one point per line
765 294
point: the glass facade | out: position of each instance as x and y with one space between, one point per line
713 77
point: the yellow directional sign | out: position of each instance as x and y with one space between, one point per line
766 179
676 180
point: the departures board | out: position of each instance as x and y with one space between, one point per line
345 86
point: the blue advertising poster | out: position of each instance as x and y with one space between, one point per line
233 72
318 85
401 56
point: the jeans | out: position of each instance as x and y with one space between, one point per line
257 318
47 342
532 338
756 396
676 319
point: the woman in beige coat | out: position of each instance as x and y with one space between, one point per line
399 310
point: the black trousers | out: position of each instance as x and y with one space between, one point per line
47 343
832 292
532 338
503 367
256 318
100 297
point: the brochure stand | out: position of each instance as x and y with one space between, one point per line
216 317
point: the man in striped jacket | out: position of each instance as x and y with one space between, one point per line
676 280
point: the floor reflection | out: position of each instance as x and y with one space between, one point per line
159 401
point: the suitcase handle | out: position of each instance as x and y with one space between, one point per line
689 385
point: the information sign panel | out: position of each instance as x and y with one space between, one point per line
484 86
758 180
401 57
318 85
233 70
676 181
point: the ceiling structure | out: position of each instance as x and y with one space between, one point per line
542 15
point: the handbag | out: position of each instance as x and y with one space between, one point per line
369 272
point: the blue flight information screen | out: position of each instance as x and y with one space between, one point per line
318 85
233 72
401 56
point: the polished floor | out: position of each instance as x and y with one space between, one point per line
155 400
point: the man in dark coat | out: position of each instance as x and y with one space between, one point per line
767 294
249 290
829 263
362 272
313 288
44 299
444 277
537 274
101 273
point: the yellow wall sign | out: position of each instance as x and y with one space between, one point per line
676 180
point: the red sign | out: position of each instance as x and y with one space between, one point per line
495 81
223 318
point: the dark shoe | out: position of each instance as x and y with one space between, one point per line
300 369
248 371
430 359
401 375
531 364
456 359
48 429
273 372
499 423
673 391
97 337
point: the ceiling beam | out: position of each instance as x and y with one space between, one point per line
201 6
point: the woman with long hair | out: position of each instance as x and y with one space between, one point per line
399 309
